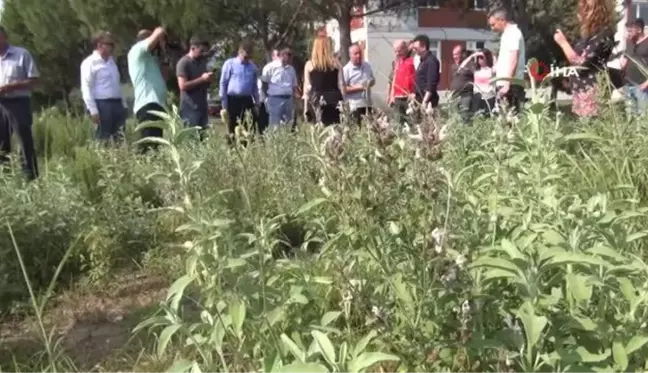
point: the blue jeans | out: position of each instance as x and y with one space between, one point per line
112 119
637 102
280 110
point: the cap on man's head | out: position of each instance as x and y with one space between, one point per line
637 23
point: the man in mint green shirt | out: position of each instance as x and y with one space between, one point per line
148 81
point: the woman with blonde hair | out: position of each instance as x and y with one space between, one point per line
591 53
323 82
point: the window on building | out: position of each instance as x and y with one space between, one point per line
427 3
478 4
638 10
474 45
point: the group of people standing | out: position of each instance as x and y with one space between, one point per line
472 72
416 73
272 94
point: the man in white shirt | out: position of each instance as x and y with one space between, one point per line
511 61
101 89
264 117
358 80
414 54
279 81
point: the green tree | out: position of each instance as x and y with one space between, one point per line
50 30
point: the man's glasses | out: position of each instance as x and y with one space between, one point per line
109 44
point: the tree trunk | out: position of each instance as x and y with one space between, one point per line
345 33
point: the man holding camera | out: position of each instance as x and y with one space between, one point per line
149 84
194 81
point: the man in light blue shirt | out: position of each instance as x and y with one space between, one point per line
279 82
358 79
239 91
149 84
18 74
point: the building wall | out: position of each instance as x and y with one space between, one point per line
380 55
446 27
451 17
622 7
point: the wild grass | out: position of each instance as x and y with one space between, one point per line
505 247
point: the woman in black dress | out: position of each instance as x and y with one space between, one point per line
591 53
323 83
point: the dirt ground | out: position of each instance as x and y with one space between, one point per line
92 325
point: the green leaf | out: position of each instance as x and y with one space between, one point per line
585 323
271 362
176 291
237 314
636 236
512 250
298 298
533 324
499 263
582 355
403 293
628 289
607 252
637 342
581 136
235 263
394 228
578 288
152 140
165 338
325 346
304 368
293 348
329 317
368 359
619 355
342 353
553 238
363 343
577 258
180 366
310 205
493 274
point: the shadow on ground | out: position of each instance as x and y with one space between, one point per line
93 326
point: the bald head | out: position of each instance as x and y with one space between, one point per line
355 54
400 48
457 53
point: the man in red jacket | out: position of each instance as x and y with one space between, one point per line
401 81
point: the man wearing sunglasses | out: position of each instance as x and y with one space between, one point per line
101 89
194 81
